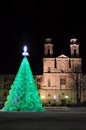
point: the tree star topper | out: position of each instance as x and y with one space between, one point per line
25 53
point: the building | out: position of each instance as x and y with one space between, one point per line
5 84
62 81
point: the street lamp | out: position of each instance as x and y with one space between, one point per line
66 97
55 97
43 98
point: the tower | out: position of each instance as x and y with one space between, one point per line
75 60
48 48
74 48
48 60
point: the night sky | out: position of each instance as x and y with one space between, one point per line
30 22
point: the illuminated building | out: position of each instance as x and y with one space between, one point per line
62 81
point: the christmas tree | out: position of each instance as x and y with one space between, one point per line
23 95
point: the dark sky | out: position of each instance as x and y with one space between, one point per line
30 22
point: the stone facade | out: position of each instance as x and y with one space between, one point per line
62 80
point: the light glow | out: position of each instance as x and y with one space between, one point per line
55 97
25 53
43 97
66 97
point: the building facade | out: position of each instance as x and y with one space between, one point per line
62 81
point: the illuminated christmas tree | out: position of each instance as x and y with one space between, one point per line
23 95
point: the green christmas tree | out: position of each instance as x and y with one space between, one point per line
23 95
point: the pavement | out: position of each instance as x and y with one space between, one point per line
66 109
56 118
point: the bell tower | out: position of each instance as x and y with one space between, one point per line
74 48
48 48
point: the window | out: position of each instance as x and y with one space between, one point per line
5 94
62 82
76 69
69 64
49 95
49 69
48 51
48 82
55 63
38 79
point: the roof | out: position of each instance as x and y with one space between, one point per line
62 56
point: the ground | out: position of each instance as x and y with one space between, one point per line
62 118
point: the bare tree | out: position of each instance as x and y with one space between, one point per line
77 77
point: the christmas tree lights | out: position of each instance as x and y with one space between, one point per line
23 95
